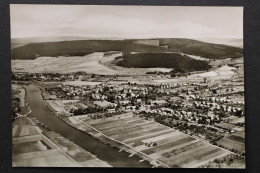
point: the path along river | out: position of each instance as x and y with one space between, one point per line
94 146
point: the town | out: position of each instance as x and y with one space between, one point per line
101 86
212 111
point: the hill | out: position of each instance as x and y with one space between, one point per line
236 42
203 49
78 48
83 47
17 42
180 63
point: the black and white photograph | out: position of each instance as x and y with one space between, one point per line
127 86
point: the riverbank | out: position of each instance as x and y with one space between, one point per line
151 141
89 130
81 156
20 94
19 105
80 125
35 145
31 148
102 151
76 154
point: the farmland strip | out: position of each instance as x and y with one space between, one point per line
231 144
120 127
128 141
236 138
173 143
187 156
145 127
139 133
162 137
110 119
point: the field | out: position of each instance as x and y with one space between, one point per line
226 126
103 103
241 164
80 105
95 56
238 120
171 147
81 156
97 63
80 83
63 105
234 142
231 144
31 148
62 64
100 63
224 72
55 106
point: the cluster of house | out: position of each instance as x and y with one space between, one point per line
176 100
179 100
44 76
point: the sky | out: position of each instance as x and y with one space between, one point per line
125 21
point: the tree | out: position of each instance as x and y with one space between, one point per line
93 76
128 94
133 101
173 75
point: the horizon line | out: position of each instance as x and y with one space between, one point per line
126 37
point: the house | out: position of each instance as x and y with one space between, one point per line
139 100
111 110
167 110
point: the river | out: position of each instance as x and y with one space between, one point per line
102 151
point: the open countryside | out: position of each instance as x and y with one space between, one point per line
144 90
159 142
97 96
